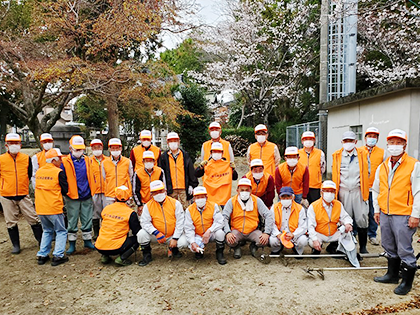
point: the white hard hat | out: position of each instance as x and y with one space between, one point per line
260 127
200 190
148 155
308 134
291 151
172 135
216 146
45 136
244 182
145 134
114 141
156 185
257 162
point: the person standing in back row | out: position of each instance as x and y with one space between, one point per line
136 155
215 131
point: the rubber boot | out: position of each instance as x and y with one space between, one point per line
199 255
176 253
147 255
391 275
123 260
88 244
332 248
315 252
72 248
253 248
237 252
408 274
95 226
105 259
37 230
220 247
363 241
14 237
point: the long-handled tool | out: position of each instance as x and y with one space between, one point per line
320 271
267 258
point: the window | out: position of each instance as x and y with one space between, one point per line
358 130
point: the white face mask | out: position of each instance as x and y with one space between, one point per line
160 197
216 156
173 146
116 154
349 146
77 154
146 143
292 162
395 150
308 143
214 134
97 152
149 165
201 202
261 139
328 196
371 142
47 146
244 195
14 148
286 202
258 175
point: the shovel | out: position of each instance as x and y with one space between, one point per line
320 271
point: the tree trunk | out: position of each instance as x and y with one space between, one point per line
242 117
113 117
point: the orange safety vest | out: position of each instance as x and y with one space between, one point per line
115 226
296 180
14 175
41 158
293 219
376 159
218 181
266 154
48 197
363 166
98 180
177 170
138 154
261 188
163 216
202 220
71 176
325 225
207 148
241 220
145 180
313 162
397 199
116 175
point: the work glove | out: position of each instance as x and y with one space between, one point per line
203 163
305 203
160 237
190 190
232 165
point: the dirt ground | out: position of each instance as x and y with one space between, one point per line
186 286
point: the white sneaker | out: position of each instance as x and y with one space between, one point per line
373 241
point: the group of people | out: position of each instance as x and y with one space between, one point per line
369 186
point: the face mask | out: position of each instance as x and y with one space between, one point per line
146 143
97 152
371 142
77 154
47 146
258 175
328 196
160 197
286 202
116 154
201 202
261 139
214 134
149 165
244 195
292 162
14 148
349 146
308 143
216 156
395 150
173 146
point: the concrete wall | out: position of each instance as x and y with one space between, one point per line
398 110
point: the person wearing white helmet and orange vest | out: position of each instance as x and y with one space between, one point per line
162 221
98 183
15 173
204 223
324 217
314 159
143 177
350 173
293 174
396 199
117 220
265 150
38 160
262 182
136 154
215 131
243 211
79 197
179 171
218 175
117 170
376 156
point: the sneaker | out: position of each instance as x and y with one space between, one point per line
59 260
373 241
42 260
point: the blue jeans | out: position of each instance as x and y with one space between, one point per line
50 224
373 226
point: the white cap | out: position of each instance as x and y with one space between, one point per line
148 155
291 151
349 135
308 134
77 143
12 137
372 130
328 184
200 190
114 141
156 185
215 124
145 134
397 133
45 136
216 146
96 141
244 182
172 135
260 127
256 162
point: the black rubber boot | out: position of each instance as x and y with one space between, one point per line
237 252
315 252
363 241
408 274
95 226
296 253
176 253
332 247
253 248
391 275
14 237
37 230
147 255
220 247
